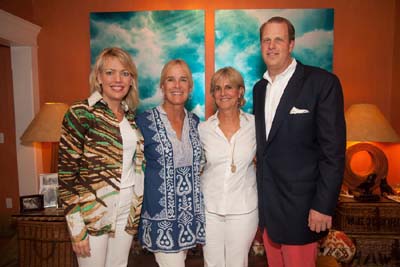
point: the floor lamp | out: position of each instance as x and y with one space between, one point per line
46 127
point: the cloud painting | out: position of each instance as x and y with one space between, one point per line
237 41
153 38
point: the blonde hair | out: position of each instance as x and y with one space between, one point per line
132 97
172 63
234 77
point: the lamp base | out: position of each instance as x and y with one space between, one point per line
367 198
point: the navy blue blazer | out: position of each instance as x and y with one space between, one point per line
300 167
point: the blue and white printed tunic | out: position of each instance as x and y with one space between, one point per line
172 216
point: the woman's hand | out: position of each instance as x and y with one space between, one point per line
82 248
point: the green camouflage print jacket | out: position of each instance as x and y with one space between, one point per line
90 169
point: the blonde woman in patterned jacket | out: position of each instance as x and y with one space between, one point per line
101 164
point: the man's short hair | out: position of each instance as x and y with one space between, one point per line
291 30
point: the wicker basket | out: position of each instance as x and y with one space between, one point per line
375 250
358 217
44 242
374 227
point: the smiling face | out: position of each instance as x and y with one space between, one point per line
115 80
227 94
176 85
276 47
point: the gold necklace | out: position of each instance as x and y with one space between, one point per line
233 165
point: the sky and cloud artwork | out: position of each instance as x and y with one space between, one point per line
237 40
153 38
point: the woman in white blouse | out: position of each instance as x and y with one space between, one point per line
229 180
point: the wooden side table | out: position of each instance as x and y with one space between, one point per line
375 229
43 239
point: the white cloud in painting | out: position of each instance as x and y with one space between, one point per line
261 15
200 54
152 101
181 38
144 40
241 58
315 40
199 111
149 51
223 50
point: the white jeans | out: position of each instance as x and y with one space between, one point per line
112 250
229 238
176 259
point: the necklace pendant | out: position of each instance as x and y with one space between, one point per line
233 168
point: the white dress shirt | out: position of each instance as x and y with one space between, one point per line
226 192
274 93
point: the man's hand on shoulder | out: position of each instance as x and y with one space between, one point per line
319 222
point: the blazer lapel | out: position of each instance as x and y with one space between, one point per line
287 101
259 109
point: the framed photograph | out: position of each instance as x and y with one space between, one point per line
31 203
49 189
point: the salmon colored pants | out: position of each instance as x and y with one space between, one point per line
279 255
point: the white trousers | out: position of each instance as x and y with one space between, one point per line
112 250
176 259
229 238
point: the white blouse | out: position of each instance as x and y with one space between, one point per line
227 191
129 139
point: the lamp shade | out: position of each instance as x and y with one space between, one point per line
46 126
365 122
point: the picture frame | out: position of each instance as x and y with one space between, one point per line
31 203
49 189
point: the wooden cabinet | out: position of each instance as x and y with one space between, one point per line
375 229
43 240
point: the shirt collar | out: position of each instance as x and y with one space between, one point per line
214 118
286 72
163 112
97 97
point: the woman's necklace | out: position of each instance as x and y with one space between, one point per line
229 132
233 165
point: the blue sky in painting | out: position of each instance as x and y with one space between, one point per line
237 40
153 38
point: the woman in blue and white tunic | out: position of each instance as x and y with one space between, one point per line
172 219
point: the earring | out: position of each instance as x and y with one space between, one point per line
240 101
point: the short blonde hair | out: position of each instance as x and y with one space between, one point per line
233 76
172 63
132 97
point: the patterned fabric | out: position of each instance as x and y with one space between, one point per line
338 245
90 167
172 217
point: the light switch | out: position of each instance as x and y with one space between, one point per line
1 138
8 202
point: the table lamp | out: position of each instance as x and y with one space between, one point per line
46 127
365 123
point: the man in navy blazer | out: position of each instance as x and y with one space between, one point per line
301 144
